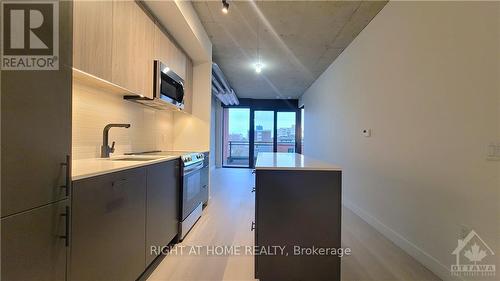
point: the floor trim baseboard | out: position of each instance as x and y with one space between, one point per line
411 249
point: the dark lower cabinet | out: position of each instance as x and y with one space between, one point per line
108 226
297 208
34 245
162 206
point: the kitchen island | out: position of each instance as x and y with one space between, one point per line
297 209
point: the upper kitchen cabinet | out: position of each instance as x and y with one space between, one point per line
133 36
92 37
188 87
168 53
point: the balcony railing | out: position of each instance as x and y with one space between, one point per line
237 151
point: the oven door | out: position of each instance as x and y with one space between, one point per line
192 190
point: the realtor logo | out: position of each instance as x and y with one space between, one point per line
472 257
30 35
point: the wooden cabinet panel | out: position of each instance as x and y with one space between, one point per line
167 52
133 36
180 59
108 226
92 37
162 205
32 248
162 47
188 87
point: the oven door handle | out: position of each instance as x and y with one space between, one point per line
191 169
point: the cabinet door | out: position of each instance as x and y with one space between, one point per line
188 87
133 36
32 247
92 37
36 129
180 60
163 190
162 47
168 53
108 222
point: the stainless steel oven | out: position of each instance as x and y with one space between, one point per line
193 190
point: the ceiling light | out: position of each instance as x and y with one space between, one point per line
225 6
258 67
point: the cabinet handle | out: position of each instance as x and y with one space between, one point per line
66 227
253 189
67 185
252 227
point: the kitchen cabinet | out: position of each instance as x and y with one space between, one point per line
188 87
117 41
33 243
35 176
162 205
133 38
36 130
108 226
297 208
92 37
163 47
168 53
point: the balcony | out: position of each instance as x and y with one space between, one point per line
236 153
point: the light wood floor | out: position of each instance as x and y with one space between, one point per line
227 220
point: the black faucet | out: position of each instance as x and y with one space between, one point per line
105 149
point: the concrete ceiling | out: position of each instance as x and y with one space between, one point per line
296 40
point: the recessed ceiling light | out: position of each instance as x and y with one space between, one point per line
225 6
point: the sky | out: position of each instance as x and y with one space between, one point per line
239 120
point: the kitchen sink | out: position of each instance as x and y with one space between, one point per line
134 159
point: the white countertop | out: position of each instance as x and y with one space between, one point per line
291 161
86 168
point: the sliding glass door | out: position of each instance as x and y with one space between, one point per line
236 144
286 129
263 132
258 126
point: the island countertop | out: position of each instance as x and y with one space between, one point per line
291 161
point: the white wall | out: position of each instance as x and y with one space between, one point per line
94 108
425 78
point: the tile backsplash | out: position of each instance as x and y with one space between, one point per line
94 108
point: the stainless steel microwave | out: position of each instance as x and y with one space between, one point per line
168 86
168 90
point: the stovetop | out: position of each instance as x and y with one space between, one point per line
188 158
